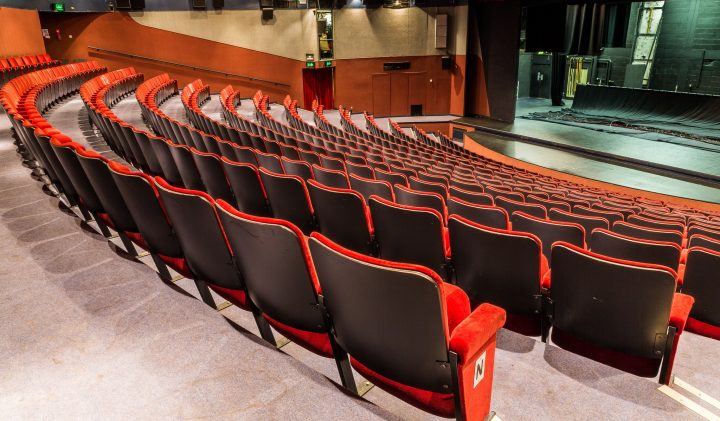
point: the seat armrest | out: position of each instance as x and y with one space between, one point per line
680 275
546 280
473 333
680 311
683 256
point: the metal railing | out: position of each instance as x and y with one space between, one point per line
187 66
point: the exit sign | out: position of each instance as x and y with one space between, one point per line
310 64
327 63
57 7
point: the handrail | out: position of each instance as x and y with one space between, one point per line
203 69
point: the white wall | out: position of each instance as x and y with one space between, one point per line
291 33
381 32
359 33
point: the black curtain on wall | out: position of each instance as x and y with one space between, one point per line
584 29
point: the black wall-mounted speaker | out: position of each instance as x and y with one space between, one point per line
396 65
129 4
267 13
446 62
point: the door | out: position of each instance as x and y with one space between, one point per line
381 94
319 84
399 90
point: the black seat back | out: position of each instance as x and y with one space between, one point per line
247 188
330 178
428 187
98 174
65 153
409 234
273 258
487 266
141 198
198 228
367 187
623 247
700 281
512 206
490 216
409 197
656 224
699 240
610 216
213 177
167 162
340 214
384 339
391 177
475 198
289 199
270 162
646 233
298 168
186 166
615 304
548 231
588 222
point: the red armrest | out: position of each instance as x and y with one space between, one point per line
471 335
681 306
681 274
683 256
546 280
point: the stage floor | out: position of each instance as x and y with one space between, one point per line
688 171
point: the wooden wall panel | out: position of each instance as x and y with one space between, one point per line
20 32
418 85
399 90
381 94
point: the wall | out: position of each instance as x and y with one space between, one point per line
367 38
290 34
120 32
688 52
20 32
237 41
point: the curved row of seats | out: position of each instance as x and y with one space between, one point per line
164 188
12 67
612 244
236 255
330 207
639 231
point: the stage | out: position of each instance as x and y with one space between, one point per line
679 167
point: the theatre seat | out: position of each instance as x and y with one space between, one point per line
289 199
142 200
621 313
619 246
647 233
411 235
491 216
501 267
701 282
247 187
445 368
342 215
205 247
410 197
275 263
367 187
589 223
548 232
